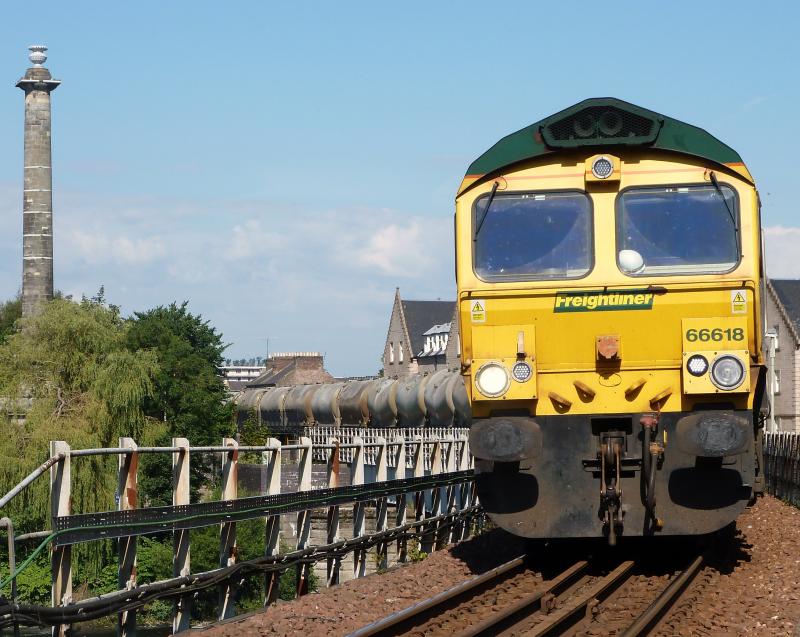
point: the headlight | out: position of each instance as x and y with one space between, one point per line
727 372
492 380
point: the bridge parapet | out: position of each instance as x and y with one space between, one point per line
428 470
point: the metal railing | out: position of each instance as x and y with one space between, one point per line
450 440
432 467
782 460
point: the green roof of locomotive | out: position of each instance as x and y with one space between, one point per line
580 126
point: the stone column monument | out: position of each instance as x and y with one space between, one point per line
37 199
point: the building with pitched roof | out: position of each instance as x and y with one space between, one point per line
236 377
293 368
422 337
782 347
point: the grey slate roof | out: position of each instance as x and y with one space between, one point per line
236 385
422 315
271 378
788 291
294 372
444 328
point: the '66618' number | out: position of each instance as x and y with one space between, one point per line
715 334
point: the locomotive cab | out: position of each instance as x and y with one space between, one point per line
609 274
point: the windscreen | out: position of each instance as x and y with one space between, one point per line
533 236
680 230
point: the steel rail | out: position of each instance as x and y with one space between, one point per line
440 599
490 625
597 591
647 620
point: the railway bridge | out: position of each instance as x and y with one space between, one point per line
404 494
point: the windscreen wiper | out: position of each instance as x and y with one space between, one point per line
486 210
724 201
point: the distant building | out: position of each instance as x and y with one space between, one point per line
293 368
236 377
422 337
783 322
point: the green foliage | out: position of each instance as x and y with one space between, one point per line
70 372
33 584
414 552
154 560
252 434
189 395
10 313
287 584
153 563
158 612
205 556
79 372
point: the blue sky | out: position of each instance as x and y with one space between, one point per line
283 166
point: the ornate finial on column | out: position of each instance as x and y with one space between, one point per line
37 55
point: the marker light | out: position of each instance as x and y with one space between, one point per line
521 371
697 365
630 261
492 380
602 167
727 372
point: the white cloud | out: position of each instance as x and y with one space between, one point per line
249 239
400 250
96 248
311 279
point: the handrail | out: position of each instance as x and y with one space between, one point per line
120 451
30 478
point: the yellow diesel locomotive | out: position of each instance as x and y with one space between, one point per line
610 290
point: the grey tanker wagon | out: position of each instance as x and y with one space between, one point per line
437 400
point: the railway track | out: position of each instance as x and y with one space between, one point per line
513 600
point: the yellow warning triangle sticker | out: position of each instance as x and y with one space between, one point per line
477 307
738 298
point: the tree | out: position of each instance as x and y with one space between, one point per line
68 374
10 313
189 397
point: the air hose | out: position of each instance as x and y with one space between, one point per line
650 453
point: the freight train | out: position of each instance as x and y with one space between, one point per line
611 281
438 400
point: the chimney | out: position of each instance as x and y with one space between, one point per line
37 196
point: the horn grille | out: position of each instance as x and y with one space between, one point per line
600 125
